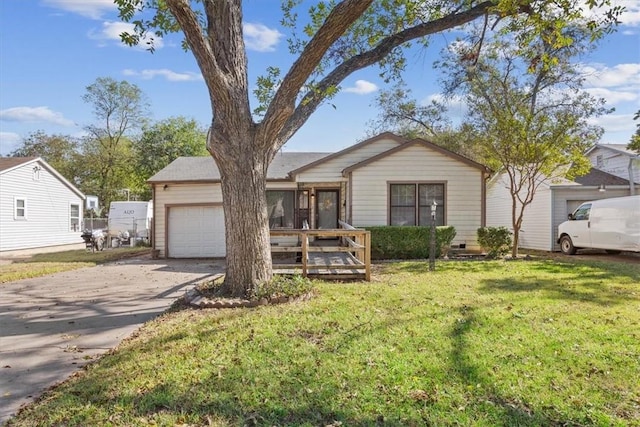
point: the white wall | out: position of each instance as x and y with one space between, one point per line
463 189
48 210
536 223
331 170
615 163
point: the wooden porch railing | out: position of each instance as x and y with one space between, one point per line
350 258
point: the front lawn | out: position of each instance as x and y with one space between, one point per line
499 343
55 262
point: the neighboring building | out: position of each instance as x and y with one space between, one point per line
38 206
617 160
551 204
385 180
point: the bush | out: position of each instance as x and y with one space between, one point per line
396 242
495 240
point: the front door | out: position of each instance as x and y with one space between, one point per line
327 208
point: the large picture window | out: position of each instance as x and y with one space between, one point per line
281 208
287 208
410 204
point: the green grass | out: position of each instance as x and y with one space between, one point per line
48 263
499 343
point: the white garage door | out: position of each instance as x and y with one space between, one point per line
196 232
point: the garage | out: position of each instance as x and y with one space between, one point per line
196 232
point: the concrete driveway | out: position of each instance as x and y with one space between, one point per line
51 326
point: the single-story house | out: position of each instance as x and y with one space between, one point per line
552 202
384 180
617 160
38 206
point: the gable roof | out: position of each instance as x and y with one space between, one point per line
384 135
204 169
597 177
420 142
7 164
616 148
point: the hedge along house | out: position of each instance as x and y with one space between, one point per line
39 208
384 180
552 202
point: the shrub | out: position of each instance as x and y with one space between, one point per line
495 240
396 242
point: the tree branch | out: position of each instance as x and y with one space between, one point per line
314 98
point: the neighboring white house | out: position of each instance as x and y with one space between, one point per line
385 180
38 206
617 160
551 204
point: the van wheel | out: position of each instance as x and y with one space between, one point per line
566 246
612 252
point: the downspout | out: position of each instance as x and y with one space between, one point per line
632 185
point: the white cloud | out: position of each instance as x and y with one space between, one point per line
172 76
111 31
260 37
631 15
362 87
613 97
93 9
616 123
34 114
600 75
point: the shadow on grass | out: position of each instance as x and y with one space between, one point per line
583 282
506 411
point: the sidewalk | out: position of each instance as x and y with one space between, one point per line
51 326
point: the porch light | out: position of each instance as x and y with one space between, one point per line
602 188
434 206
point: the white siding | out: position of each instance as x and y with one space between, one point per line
463 189
48 210
331 170
566 198
535 232
614 163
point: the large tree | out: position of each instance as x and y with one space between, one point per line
60 151
339 39
528 111
161 143
120 108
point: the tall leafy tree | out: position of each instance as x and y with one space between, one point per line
527 109
340 38
402 114
120 108
60 151
161 143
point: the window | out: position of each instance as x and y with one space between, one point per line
410 204
19 208
599 161
582 213
287 208
74 216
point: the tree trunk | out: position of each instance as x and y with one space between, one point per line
243 176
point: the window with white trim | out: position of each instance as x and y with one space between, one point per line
410 203
74 217
19 208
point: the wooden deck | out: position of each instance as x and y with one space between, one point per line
331 254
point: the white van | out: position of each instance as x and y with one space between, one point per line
609 224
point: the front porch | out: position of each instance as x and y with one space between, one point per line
338 254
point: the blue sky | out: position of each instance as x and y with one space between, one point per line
51 50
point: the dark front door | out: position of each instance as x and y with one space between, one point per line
327 208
